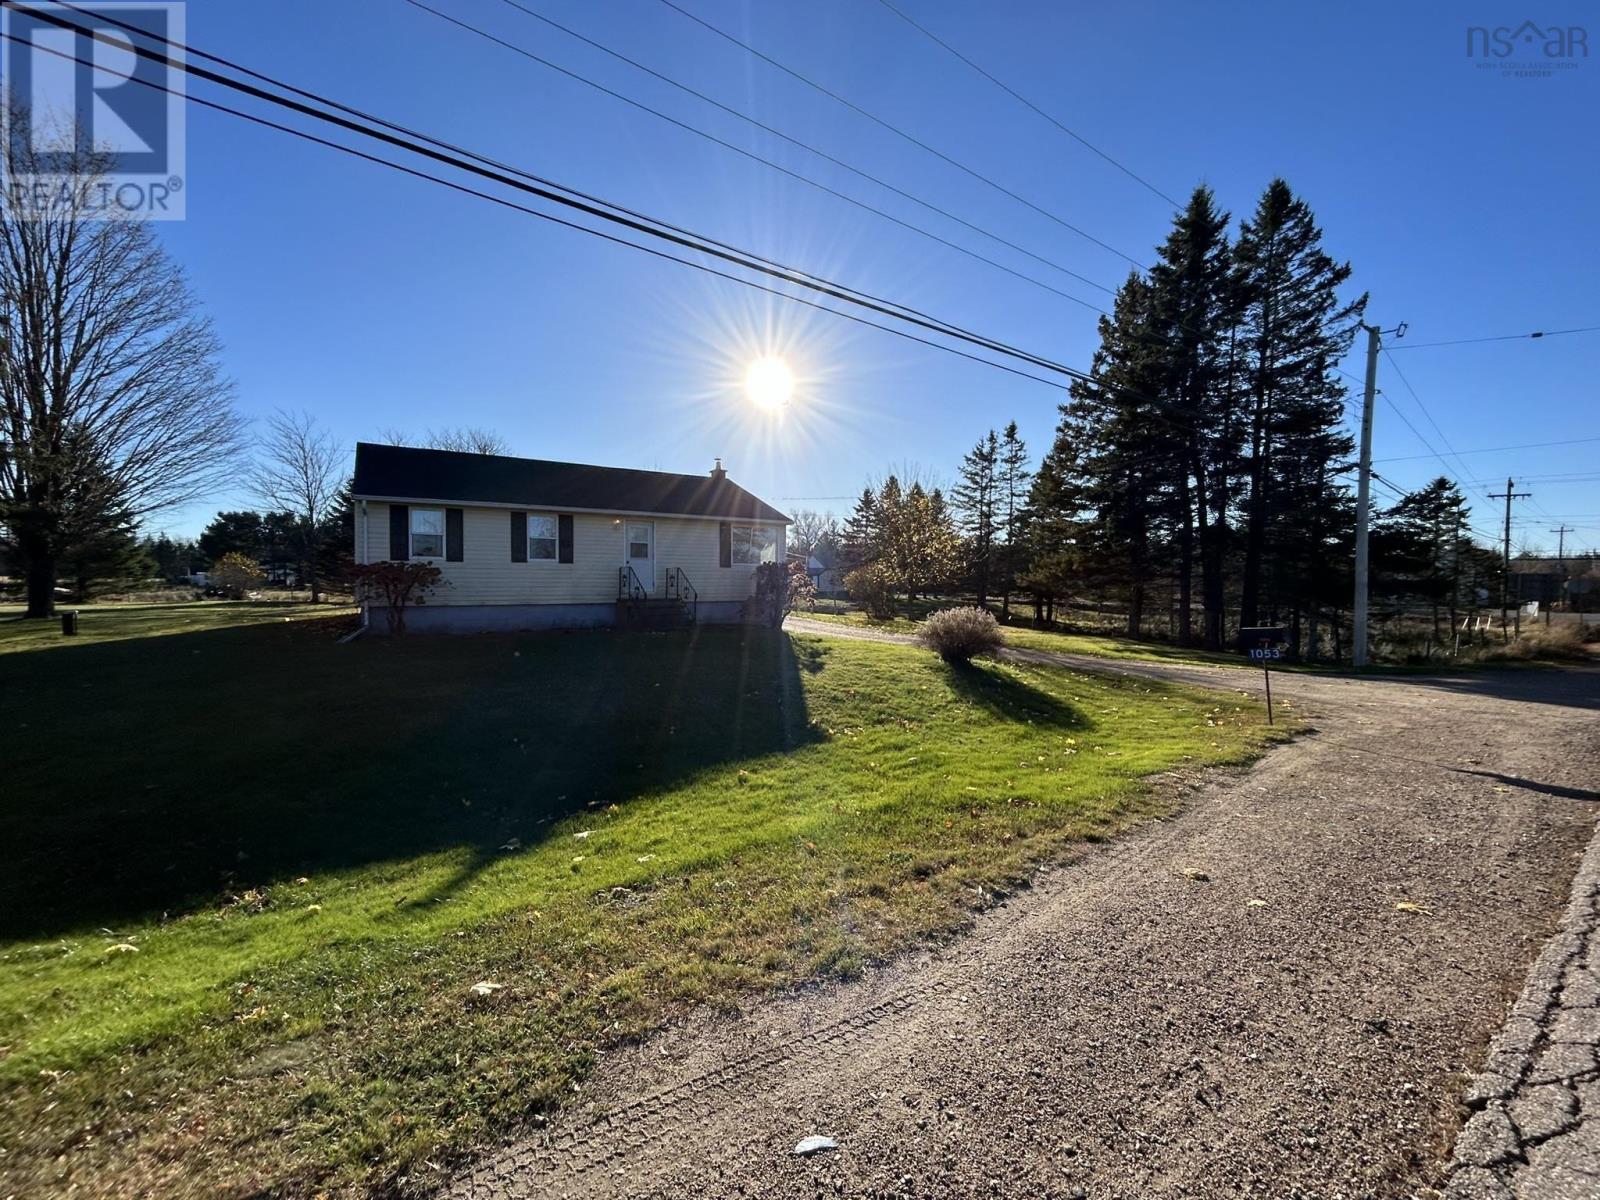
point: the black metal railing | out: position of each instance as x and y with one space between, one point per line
629 586
680 589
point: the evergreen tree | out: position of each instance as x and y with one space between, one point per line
1124 451
107 558
1293 327
860 531
1009 508
1193 311
975 498
232 533
1419 551
1049 528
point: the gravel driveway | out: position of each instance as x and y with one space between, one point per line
1280 1028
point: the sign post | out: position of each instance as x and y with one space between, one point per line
1263 643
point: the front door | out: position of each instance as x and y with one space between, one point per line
640 552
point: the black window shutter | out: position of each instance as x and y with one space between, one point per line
519 537
399 532
452 535
725 540
564 538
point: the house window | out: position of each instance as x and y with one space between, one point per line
427 533
754 544
541 537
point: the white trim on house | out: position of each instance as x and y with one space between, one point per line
522 506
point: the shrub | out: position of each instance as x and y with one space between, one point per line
1538 640
958 634
395 585
871 588
802 588
236 574
771 596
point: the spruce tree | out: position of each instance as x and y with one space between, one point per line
1293 328
1010 505
1194 308
1124 449
975 497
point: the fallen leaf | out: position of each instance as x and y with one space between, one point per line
1408 906
122 948
1255 903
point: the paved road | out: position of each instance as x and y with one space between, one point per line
1124 1030
1535 1133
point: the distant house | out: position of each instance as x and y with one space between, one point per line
529 544
825 576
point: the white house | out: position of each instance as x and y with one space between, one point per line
528 544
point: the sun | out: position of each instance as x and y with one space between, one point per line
769 383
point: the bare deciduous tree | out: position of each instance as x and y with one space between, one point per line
299 469
467 439
810 531
112 405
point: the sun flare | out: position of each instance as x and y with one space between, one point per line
769 383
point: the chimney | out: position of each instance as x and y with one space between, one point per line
717 472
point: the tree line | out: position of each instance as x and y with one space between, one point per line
1199 471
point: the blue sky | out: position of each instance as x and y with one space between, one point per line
1464 199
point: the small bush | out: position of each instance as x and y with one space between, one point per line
871 588
395 585
234 574
957 635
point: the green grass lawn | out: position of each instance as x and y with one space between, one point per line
1100 645
252 875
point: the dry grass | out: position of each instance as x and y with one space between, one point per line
1564 643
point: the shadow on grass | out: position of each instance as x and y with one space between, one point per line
1010 697
154 775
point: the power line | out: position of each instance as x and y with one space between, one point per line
1417 433
1015 95
492 162
1571 477
833 291
769 163
895 129
1497 449
765 128
1413 391
1504 337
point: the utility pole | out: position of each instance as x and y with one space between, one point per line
1358 646
1508 496
1561 555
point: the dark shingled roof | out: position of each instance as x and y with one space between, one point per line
407 473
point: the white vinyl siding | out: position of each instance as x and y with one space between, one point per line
486 574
